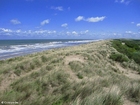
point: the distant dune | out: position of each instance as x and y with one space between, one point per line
86 74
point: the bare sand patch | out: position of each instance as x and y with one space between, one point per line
128 73
69 59
7 81
127 102
74 58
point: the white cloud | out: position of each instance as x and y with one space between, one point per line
128 32
138 24
123 1
44 32
79 18
18 31
90 19
68 33
5 30
114 34
80 34
29 31
59 8
95 19
39 31
64 25
51 32
74 32
86 31
45 22
54 31
15 21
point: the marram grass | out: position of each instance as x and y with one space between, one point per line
78 75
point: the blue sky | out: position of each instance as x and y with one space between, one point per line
69 19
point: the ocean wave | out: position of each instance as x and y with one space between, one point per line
25 48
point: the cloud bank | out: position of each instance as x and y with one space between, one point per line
90 19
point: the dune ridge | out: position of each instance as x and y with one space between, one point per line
77 75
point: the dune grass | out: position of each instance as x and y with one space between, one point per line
79 75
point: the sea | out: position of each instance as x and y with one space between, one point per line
14 48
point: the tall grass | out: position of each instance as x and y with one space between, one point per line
133 92
76 66
45 78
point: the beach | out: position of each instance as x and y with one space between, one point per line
14 48
75 75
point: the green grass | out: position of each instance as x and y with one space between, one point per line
119 57
80 76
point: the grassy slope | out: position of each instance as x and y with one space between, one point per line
80 75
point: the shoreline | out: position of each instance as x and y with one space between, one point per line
25 53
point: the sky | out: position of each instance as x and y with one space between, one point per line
69 19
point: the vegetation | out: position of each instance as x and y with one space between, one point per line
130 48
133 92
118 57
81 75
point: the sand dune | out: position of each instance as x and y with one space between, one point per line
78 75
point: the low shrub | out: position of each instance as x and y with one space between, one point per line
130 48
79 75
136 57
118 57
